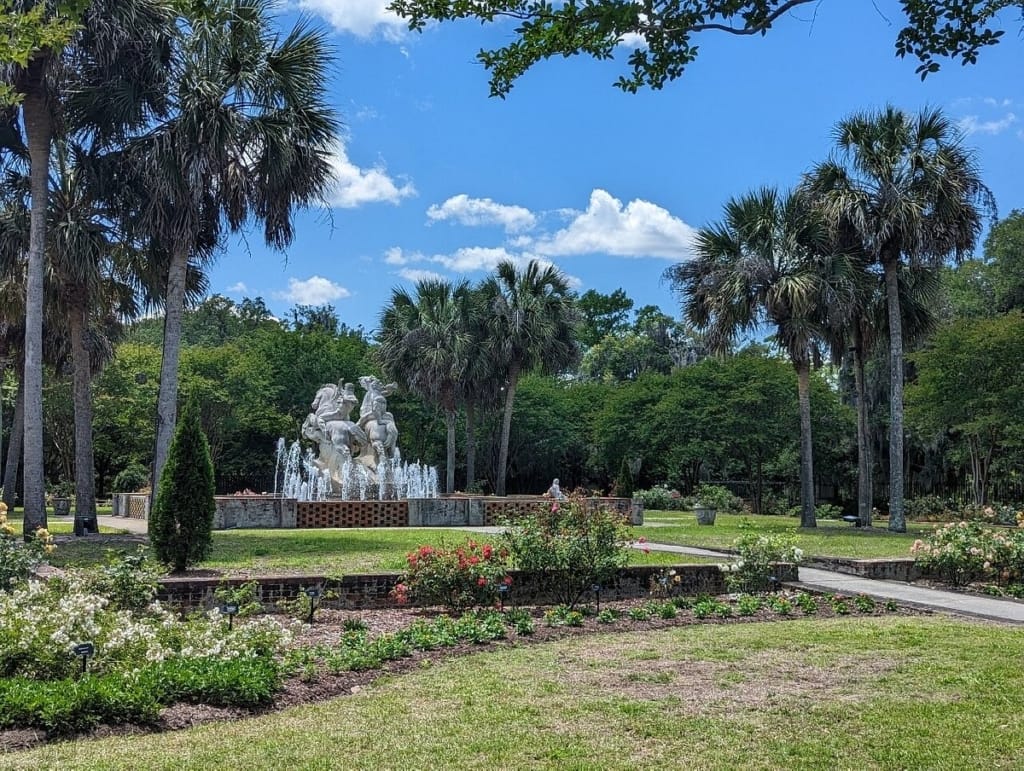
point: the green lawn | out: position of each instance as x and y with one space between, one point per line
329 551
56 525
884 692
833 539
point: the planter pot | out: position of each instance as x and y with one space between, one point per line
705 515
61 507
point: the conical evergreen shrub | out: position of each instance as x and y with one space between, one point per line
181 522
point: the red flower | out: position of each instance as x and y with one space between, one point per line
507 580
474 560
481 581
641 539
487 551
554 506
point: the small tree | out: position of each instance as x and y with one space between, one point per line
624 484
182 518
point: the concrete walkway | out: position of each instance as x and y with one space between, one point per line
992 608
137 526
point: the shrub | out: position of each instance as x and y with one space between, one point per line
660 498
718 497
128 581
624 483
465 576
827 511
67 706
929 508
757 554
570 548
181 522
238 682
962 552
131 478
18 558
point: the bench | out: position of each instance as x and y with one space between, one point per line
853 519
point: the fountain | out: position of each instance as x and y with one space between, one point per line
357 460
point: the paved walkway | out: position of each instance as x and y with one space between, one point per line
139 526
993 608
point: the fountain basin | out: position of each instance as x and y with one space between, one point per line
268 511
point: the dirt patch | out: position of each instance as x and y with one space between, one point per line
757 681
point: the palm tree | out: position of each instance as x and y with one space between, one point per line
423 345
119 44
481 384
912 195
248 138
532 327
768 261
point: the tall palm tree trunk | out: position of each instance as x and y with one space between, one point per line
39 131
897 522
865 483
470 445
803 379
506 430
14 446
449 476
85 471
167 400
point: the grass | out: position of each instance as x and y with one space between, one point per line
56 525
883 692
832 539
328 551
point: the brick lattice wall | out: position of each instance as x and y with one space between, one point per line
352 514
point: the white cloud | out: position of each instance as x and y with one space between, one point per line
972 124
354 186
315 290
412 274
633 40
482 211
473 258
362 18
640 229
239 288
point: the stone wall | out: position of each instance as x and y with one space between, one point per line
372 590
498 510
253 511
891 569
130 505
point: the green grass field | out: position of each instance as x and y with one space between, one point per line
830 538
887 692
333 552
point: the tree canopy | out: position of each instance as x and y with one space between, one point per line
668 34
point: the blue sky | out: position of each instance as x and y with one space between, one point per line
436 178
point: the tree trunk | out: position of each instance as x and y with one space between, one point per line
38 129
470 446
167 400
803 377
897 522
449 476
506 430
14 448
864 465
85 472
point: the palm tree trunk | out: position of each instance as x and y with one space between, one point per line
39 130
470 445
449 476
167 400
803 379
897 522
506 430
85 472
14 448
864 465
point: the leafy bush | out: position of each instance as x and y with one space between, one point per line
660 498
827 511
245 596
70 705
570 548
181 522
237 682
18 558
127 581
462 577
718 497
929 508
131 478
757 554
962 552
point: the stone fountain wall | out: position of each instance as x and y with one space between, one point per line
264 511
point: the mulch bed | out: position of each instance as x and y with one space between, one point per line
329 626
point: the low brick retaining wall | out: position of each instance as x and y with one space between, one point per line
891 569
373 590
